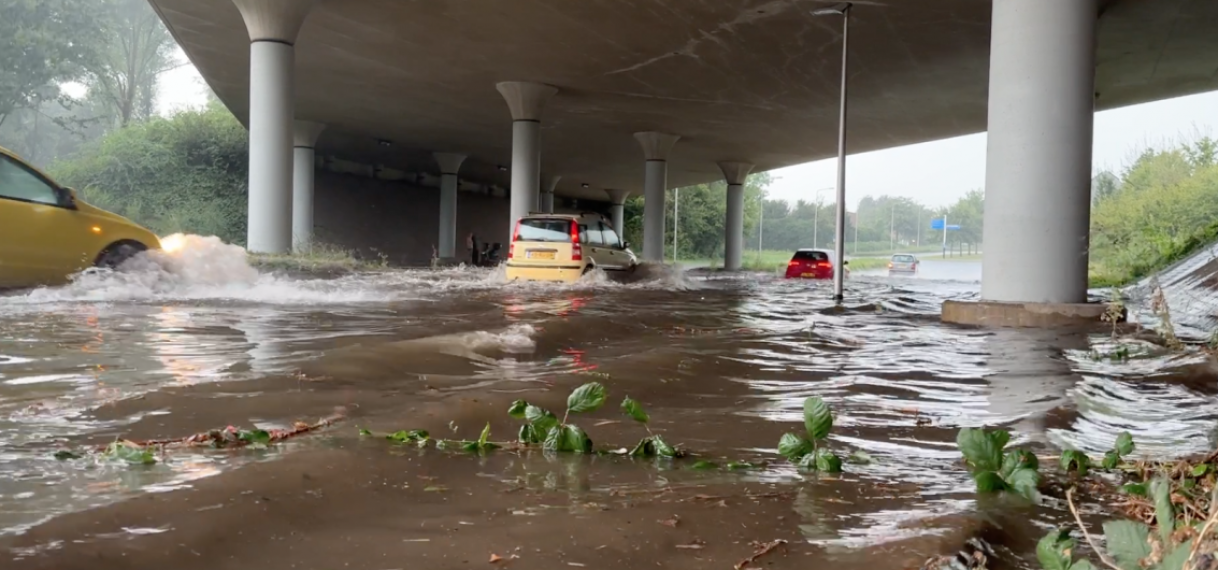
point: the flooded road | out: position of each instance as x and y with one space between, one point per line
721 363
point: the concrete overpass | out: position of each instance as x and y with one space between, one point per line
588 90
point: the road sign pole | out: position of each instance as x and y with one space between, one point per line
944 234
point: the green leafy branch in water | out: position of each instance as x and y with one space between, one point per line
1076 461
652 445
1120 450
482 445
542 426
418 437
805 450
129 452
994 468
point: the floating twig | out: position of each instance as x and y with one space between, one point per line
232 437
1103 557
765 549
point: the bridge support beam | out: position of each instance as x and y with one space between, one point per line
526 101
449 163
546 199
304 140
273 26
1038 164
656 147
733 243
617 210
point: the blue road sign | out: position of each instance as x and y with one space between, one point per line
937 224
952 227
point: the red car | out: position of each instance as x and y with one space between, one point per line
811 264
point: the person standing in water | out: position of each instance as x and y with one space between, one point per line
471 242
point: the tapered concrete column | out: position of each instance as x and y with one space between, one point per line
617 209
656 147
272 26
546 199
526 102
450 164
304 139
1038 162
735 173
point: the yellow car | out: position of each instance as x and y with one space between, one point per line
47 233
562 247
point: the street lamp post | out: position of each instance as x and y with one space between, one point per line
839 274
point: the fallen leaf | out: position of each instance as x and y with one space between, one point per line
495 558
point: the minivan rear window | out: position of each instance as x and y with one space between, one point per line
903 258
811 256
544 229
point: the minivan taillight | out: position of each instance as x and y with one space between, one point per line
577 252
515 238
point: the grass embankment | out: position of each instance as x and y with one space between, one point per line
776 261
1126 266
320 259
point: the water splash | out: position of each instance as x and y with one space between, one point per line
196 268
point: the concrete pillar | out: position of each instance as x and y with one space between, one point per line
656 147
546 199
273 26
304 139
450 164
1038 162
617 210
733 239
526 102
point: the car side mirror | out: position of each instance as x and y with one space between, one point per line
847 262
67 197
625 245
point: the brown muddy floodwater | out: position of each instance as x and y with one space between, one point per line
722 365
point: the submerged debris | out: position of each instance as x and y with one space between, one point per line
137 452
975 555
233 437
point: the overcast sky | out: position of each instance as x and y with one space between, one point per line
935 173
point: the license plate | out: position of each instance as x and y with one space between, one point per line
539 254
808 275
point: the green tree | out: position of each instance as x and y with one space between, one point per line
185 173
1103 186
1164 208
701 213
138 49
44 43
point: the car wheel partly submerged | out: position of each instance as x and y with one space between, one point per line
118 254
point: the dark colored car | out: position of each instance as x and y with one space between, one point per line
811 264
